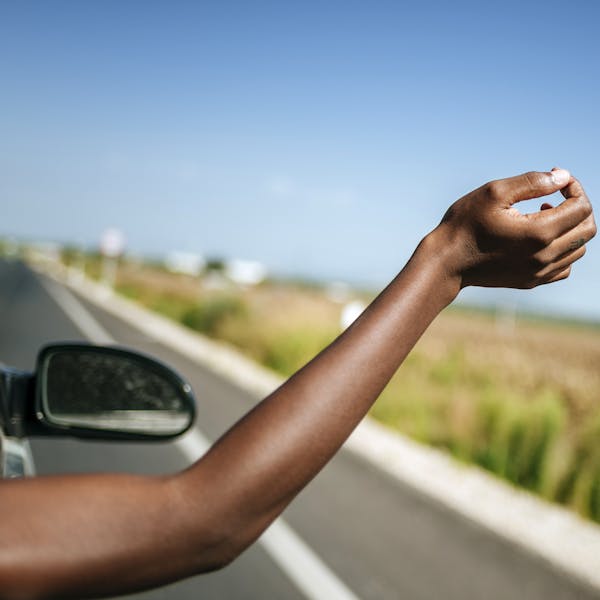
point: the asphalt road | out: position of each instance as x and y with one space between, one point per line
381 538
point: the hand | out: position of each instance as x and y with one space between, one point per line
492 244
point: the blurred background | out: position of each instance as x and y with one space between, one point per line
259 170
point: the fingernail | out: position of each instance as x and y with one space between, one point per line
560 177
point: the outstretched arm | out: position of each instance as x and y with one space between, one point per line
86 536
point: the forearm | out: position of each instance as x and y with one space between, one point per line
205 516
265 459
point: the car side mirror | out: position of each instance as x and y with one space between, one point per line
110 393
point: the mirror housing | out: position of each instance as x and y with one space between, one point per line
109 393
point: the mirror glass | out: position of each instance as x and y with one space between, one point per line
109 389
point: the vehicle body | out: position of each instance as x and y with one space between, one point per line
86 391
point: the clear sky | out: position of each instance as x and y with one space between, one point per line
322 138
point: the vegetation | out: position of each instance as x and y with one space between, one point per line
9 248
520 399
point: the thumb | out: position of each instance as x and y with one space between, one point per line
531 185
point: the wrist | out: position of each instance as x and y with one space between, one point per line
439 250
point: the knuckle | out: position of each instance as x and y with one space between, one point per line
541 236
537 181
533 179
578 187
542 274
538 261
494 190
562 274
586 207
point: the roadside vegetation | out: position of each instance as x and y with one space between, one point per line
518 398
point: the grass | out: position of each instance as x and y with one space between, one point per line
522 402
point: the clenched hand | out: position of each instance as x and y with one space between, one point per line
494 245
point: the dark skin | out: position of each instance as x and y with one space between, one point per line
99 535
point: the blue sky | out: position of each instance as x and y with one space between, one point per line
321 138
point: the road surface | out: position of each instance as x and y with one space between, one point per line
381 538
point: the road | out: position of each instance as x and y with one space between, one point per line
380 537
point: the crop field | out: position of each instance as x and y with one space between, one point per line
518 398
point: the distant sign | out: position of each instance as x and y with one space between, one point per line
112 243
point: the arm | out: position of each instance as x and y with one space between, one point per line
102 534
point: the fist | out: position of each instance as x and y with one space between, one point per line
494 245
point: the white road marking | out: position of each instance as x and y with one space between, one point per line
78 314
293 556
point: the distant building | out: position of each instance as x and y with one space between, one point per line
245 272
186 263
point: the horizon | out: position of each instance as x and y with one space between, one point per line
484 305
323 140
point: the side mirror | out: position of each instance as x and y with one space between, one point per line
110 393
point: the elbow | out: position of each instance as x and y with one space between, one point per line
234 536
217 532
224 548
207 538
223 555
227 544
233 541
